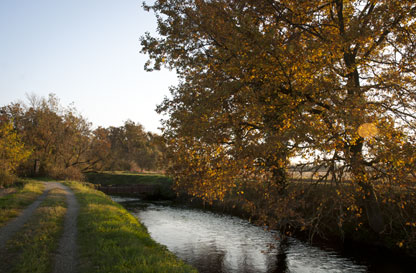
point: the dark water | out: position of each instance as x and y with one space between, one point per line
214 242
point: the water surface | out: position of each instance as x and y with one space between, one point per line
214 242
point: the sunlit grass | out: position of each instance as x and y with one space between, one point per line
31 249
112 240
11 205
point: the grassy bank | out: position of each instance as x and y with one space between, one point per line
162 184
112 240
315 211
12 204
127 178
31 248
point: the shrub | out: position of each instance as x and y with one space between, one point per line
6 178
70 173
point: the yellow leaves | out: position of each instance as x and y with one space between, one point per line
398 163
12 149
354 208
218 151
286 124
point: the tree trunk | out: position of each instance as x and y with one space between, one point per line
357 163
370 202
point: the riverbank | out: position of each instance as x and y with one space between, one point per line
351 241
109 239
112 240
154 186
218 242
345 239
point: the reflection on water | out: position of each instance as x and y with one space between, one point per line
221 243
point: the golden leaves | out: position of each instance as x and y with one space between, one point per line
12 149
333 96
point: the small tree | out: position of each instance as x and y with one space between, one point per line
12 152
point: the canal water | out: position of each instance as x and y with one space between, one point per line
214 242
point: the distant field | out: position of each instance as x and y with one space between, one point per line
314 175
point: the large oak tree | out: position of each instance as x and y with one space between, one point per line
264 81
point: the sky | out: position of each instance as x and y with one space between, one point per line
87 52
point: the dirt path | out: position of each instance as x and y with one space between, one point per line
16 224
66 256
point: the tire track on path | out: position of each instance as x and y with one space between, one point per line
66 256
66 259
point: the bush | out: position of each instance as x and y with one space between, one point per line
70 173
6 179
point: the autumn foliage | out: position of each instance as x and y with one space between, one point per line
44 138
12 152
328 86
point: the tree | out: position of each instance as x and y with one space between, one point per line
64 146
132 148
12 152
58 137
100 152
263 81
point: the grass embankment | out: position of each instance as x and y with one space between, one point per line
128 178
112 240
30 250
12 204
162 184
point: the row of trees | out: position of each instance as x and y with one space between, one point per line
267 81
46 139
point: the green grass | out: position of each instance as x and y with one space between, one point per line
127 178
30 250
112 240
161 183
11 205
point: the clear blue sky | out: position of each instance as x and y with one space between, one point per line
84 51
